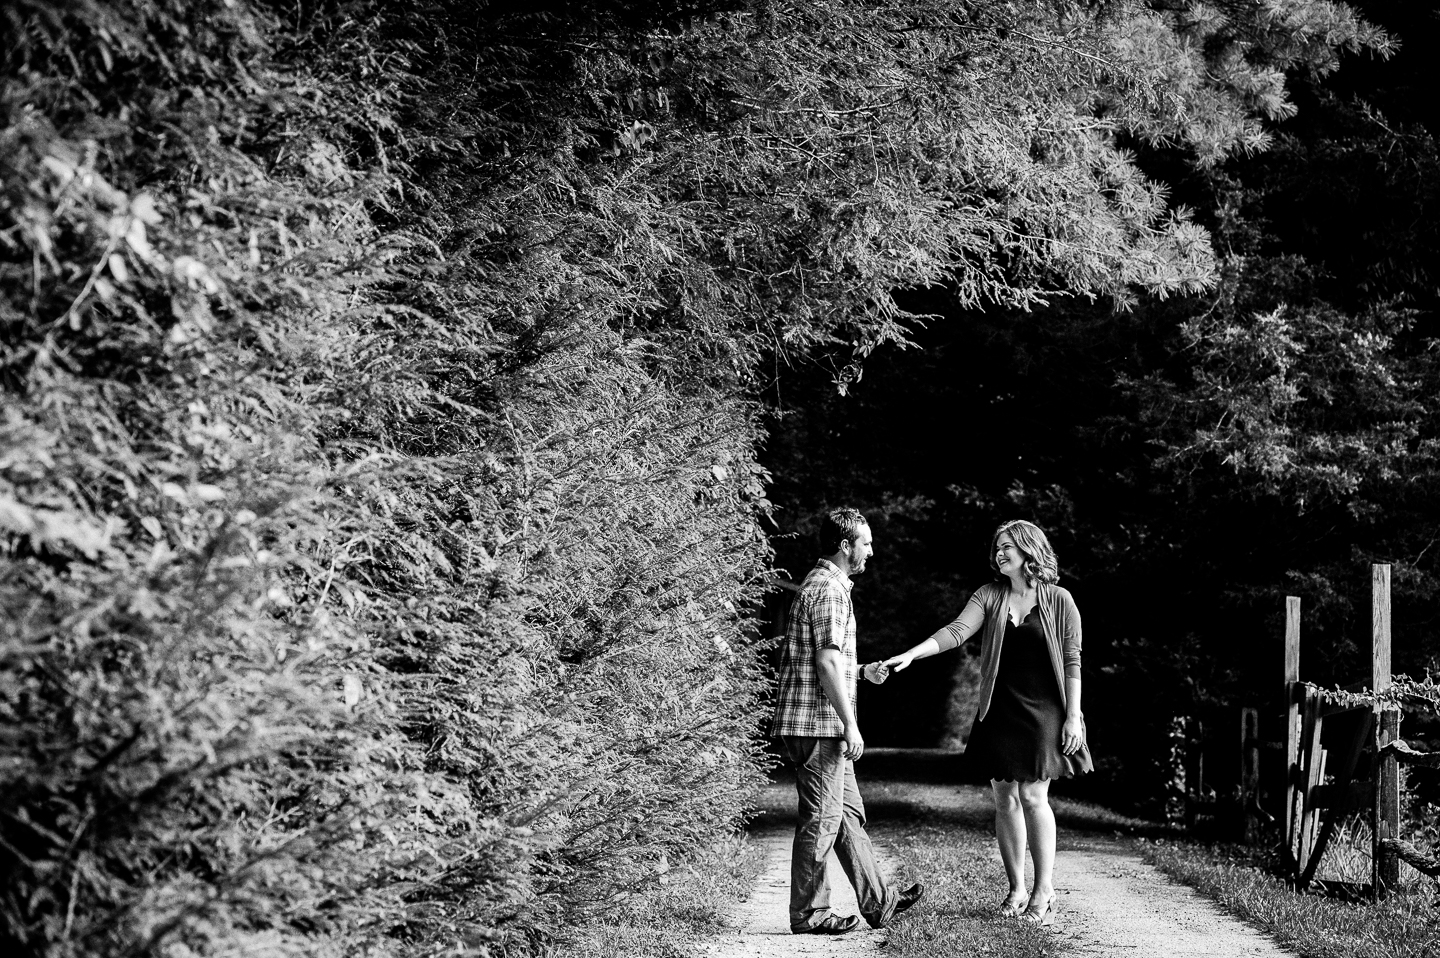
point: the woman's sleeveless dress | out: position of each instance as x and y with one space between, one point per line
1019 738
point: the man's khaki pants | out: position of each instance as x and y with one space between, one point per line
831 816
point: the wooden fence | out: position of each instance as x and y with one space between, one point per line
1326 744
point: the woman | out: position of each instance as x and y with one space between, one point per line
1028 729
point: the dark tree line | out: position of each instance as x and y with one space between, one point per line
1195 459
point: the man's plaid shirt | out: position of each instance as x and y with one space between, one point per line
821 617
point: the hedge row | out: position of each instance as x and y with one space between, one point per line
353 608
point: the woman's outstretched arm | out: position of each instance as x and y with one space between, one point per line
952 635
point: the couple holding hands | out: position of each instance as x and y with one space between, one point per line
1028 729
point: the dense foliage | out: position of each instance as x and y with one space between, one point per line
379 493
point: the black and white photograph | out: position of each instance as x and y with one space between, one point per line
719 479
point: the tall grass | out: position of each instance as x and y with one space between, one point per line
1405 924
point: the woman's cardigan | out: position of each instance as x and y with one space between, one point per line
1059 619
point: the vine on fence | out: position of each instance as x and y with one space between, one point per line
1402 692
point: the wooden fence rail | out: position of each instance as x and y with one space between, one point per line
1404 753
1412 856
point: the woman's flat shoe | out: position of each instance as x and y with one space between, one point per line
1013 904
1041 916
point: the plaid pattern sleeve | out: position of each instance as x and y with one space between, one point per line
820 618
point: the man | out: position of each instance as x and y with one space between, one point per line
815 723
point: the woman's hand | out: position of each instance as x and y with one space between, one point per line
898 663
1072 735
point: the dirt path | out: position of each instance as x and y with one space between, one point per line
1111 904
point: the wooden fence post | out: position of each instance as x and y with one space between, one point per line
1387 771
1292 716
1313 777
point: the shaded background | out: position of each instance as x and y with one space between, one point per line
1071 416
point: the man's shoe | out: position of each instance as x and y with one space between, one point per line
831 925
909 898
904 901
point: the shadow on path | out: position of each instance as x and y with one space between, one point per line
905 785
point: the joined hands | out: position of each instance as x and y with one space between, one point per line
897 663
878 672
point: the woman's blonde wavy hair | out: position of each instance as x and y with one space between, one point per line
1040 562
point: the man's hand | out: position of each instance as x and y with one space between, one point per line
854 744
875 672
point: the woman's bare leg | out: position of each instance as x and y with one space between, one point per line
1010 832
1034 799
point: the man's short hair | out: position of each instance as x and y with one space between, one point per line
840 525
